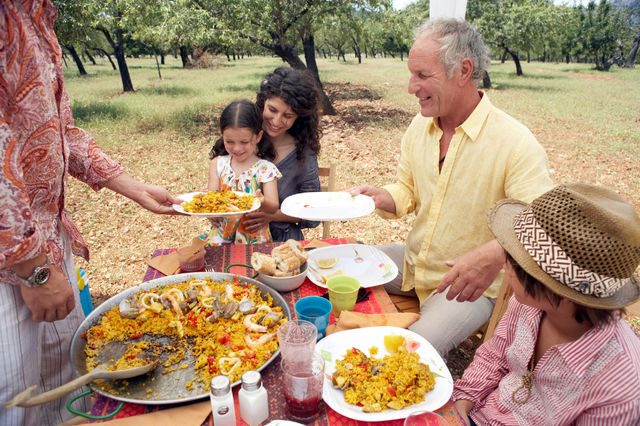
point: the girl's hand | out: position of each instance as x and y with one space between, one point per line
204 189
256 220
260 196
215 221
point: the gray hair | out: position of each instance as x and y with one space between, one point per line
458 40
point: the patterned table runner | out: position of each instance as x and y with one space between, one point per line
222 256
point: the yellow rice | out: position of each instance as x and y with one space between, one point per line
210 342
218 202
402 380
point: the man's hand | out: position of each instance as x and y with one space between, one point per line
52 301
381 197
151 197
472 273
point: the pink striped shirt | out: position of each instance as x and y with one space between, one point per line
594 380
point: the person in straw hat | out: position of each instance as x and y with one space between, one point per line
561 354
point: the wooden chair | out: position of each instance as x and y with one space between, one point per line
329 172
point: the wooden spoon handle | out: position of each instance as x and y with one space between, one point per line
24 399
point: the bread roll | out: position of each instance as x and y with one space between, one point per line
285 257
263 263
280 273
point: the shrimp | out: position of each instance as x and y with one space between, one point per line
229 292
207 290
256 344
174 304
251 326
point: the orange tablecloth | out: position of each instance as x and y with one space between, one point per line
220 257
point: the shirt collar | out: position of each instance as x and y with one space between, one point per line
474 123
580 353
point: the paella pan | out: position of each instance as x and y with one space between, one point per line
175 382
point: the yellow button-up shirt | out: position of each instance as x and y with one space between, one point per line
491 156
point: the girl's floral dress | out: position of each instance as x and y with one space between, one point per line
232 229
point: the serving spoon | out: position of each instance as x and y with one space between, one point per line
24 399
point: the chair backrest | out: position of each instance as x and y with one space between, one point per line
502 302
329 172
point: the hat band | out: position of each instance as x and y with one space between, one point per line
556 263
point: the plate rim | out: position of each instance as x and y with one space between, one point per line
285 206
321 249
395 415
178 207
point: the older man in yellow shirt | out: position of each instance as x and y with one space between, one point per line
459 156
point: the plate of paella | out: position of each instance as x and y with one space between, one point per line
217 203
197 326
369 378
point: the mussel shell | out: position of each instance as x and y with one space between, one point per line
230 309
277 316
247 307
193 295
184 306
334 381
131 313
214 316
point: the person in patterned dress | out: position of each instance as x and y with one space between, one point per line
240 162
40 149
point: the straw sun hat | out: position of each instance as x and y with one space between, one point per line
581 241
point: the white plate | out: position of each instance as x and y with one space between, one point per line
334 347
188 197
366 263
284 423
327 206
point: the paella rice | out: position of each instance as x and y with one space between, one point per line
218 202
396 381
228 327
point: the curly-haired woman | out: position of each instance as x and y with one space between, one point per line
290 104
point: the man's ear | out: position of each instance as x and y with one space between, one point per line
465 70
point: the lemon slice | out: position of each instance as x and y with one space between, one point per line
392 342
326 263
333 274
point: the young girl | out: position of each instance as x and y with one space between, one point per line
240 161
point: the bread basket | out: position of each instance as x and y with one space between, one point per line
280 284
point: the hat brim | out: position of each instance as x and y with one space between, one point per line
500 221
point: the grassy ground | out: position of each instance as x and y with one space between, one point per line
588 122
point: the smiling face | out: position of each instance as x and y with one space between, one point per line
240 143
437 94
278 117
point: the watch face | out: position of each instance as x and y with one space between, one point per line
42 276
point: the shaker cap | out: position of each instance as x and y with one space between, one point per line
251 381
220 386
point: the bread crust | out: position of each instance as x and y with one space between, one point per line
286 259
263 263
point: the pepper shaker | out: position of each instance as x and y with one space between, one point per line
224 413
254 404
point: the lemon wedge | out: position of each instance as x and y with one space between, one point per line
326 263
392 342
333 274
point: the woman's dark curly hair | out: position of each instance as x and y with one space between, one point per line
243 114
298 90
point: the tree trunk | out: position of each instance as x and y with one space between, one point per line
97 49
516 60
308 43
401 54
567 59
118 49
632 53
528 57
504 56
86 52
157 64
486 81
162 59
357 49
184 55
76 59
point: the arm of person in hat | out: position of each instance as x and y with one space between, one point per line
153 198
473 273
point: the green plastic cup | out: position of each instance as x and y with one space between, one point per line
343 292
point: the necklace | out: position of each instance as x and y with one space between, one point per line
527 383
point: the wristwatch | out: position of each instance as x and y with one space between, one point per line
39 276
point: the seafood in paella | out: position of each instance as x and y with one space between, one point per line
218 202
229 327
396 381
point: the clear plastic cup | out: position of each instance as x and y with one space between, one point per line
302 380
297 334
191 258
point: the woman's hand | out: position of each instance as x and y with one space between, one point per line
256 220
463 406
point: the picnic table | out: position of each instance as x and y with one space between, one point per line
220 257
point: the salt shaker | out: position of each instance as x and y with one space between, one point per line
224 414
254 404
